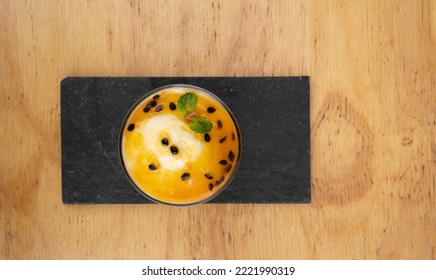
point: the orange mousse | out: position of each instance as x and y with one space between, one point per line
169 161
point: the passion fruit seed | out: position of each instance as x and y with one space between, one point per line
156 97
158 108
233 136
174 150
210 186
231 156
173 106
146 109
223 139
220 124
210 110
152 167
228 168
208 176
223 162
207 137
185 176
165 141
131 127
151 104
219 181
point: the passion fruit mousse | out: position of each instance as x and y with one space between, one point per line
180 145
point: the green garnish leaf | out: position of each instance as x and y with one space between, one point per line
186 103
200 125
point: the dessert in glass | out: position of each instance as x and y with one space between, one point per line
180 145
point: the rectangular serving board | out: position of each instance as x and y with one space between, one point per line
273 114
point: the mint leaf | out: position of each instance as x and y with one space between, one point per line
186 103
200 125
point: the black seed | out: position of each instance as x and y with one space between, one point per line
210 186
152 167
223 162
206 137
131 127
210 110
221 179
208 176
233 136
231 156
228 168
220 124
165 141
217 183
185 176
156 97
158 108
174 150
146 109
223 139
172 106
151 104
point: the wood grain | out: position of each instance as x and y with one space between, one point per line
373 125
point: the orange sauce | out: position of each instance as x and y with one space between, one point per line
201 165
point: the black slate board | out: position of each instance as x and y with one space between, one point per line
273 114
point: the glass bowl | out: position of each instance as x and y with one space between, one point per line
166 160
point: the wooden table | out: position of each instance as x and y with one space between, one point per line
373 125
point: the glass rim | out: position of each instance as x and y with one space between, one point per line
229 176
